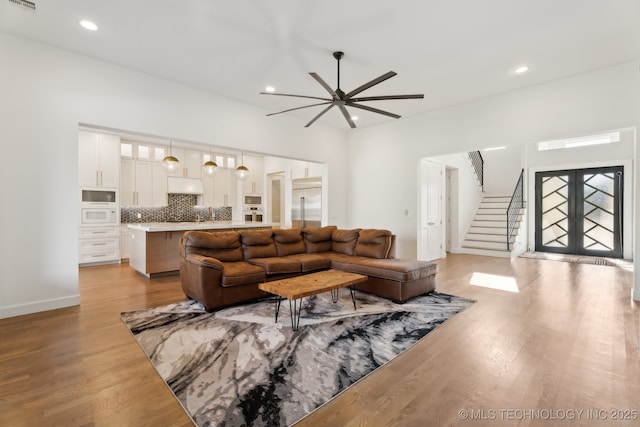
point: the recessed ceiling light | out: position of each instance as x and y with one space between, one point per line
269 89
502 147
354 118
521 69
88 25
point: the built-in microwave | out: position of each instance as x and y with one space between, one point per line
98 216
252 200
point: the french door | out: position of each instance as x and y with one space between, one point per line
579 211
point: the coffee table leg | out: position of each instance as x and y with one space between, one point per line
353 296
278 299
295 310
334 295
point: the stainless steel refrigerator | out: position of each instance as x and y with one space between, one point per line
306 210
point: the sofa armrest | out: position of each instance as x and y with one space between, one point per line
200 277
204 261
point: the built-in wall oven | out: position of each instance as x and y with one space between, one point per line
253 215
253 208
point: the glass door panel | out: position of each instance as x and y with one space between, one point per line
580 211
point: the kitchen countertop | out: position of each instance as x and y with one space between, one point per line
205 225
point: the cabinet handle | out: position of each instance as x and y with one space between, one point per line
97 180
253 187
225 199
99 255
98 244
99 232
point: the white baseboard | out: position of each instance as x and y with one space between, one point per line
38 306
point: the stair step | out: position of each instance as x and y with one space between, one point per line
500 231
491 211
490 224
492 217
488 237
495 205
484 245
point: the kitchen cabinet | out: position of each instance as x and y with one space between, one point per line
125 241
220 189
254 184
301 169
142 183
191 162
99 245
98 160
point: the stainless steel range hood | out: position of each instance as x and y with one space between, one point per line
178 185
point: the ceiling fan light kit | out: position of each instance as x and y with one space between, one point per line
342 100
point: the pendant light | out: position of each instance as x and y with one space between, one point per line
170 163
210 166
241 171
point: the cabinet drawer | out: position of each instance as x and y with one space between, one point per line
98 232
99 245
99 256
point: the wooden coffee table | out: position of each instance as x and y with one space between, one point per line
296 288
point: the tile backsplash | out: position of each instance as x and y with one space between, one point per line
181 208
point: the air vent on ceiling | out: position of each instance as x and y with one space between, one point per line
24 4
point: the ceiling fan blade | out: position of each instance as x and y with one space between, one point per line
369 84
300 108
297 96
325 86
386 97
347 116
373 110
319 115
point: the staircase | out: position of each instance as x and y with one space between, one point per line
487 234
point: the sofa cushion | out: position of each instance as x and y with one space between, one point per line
241 273
344 241
311 262
400 270
318 239
277 265
289 242
373 243
222 245
258 244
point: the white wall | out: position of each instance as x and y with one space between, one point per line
467 196
502 169
617 154
46 93
383 159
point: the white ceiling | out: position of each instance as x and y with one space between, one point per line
453 51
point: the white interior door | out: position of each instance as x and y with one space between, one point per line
431 236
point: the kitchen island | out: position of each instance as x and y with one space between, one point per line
154 245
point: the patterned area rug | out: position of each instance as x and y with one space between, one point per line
237 367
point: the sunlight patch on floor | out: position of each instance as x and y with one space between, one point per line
492 281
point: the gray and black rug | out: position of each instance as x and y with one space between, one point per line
237 367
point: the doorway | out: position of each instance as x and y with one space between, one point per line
579 211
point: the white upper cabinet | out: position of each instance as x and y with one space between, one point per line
190 162
254 184
142 183
98 160
220 189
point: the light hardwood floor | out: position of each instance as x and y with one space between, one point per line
565 340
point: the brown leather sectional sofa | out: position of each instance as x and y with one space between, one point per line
223 268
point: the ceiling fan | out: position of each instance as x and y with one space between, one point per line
343 100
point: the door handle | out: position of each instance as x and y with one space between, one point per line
431 223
